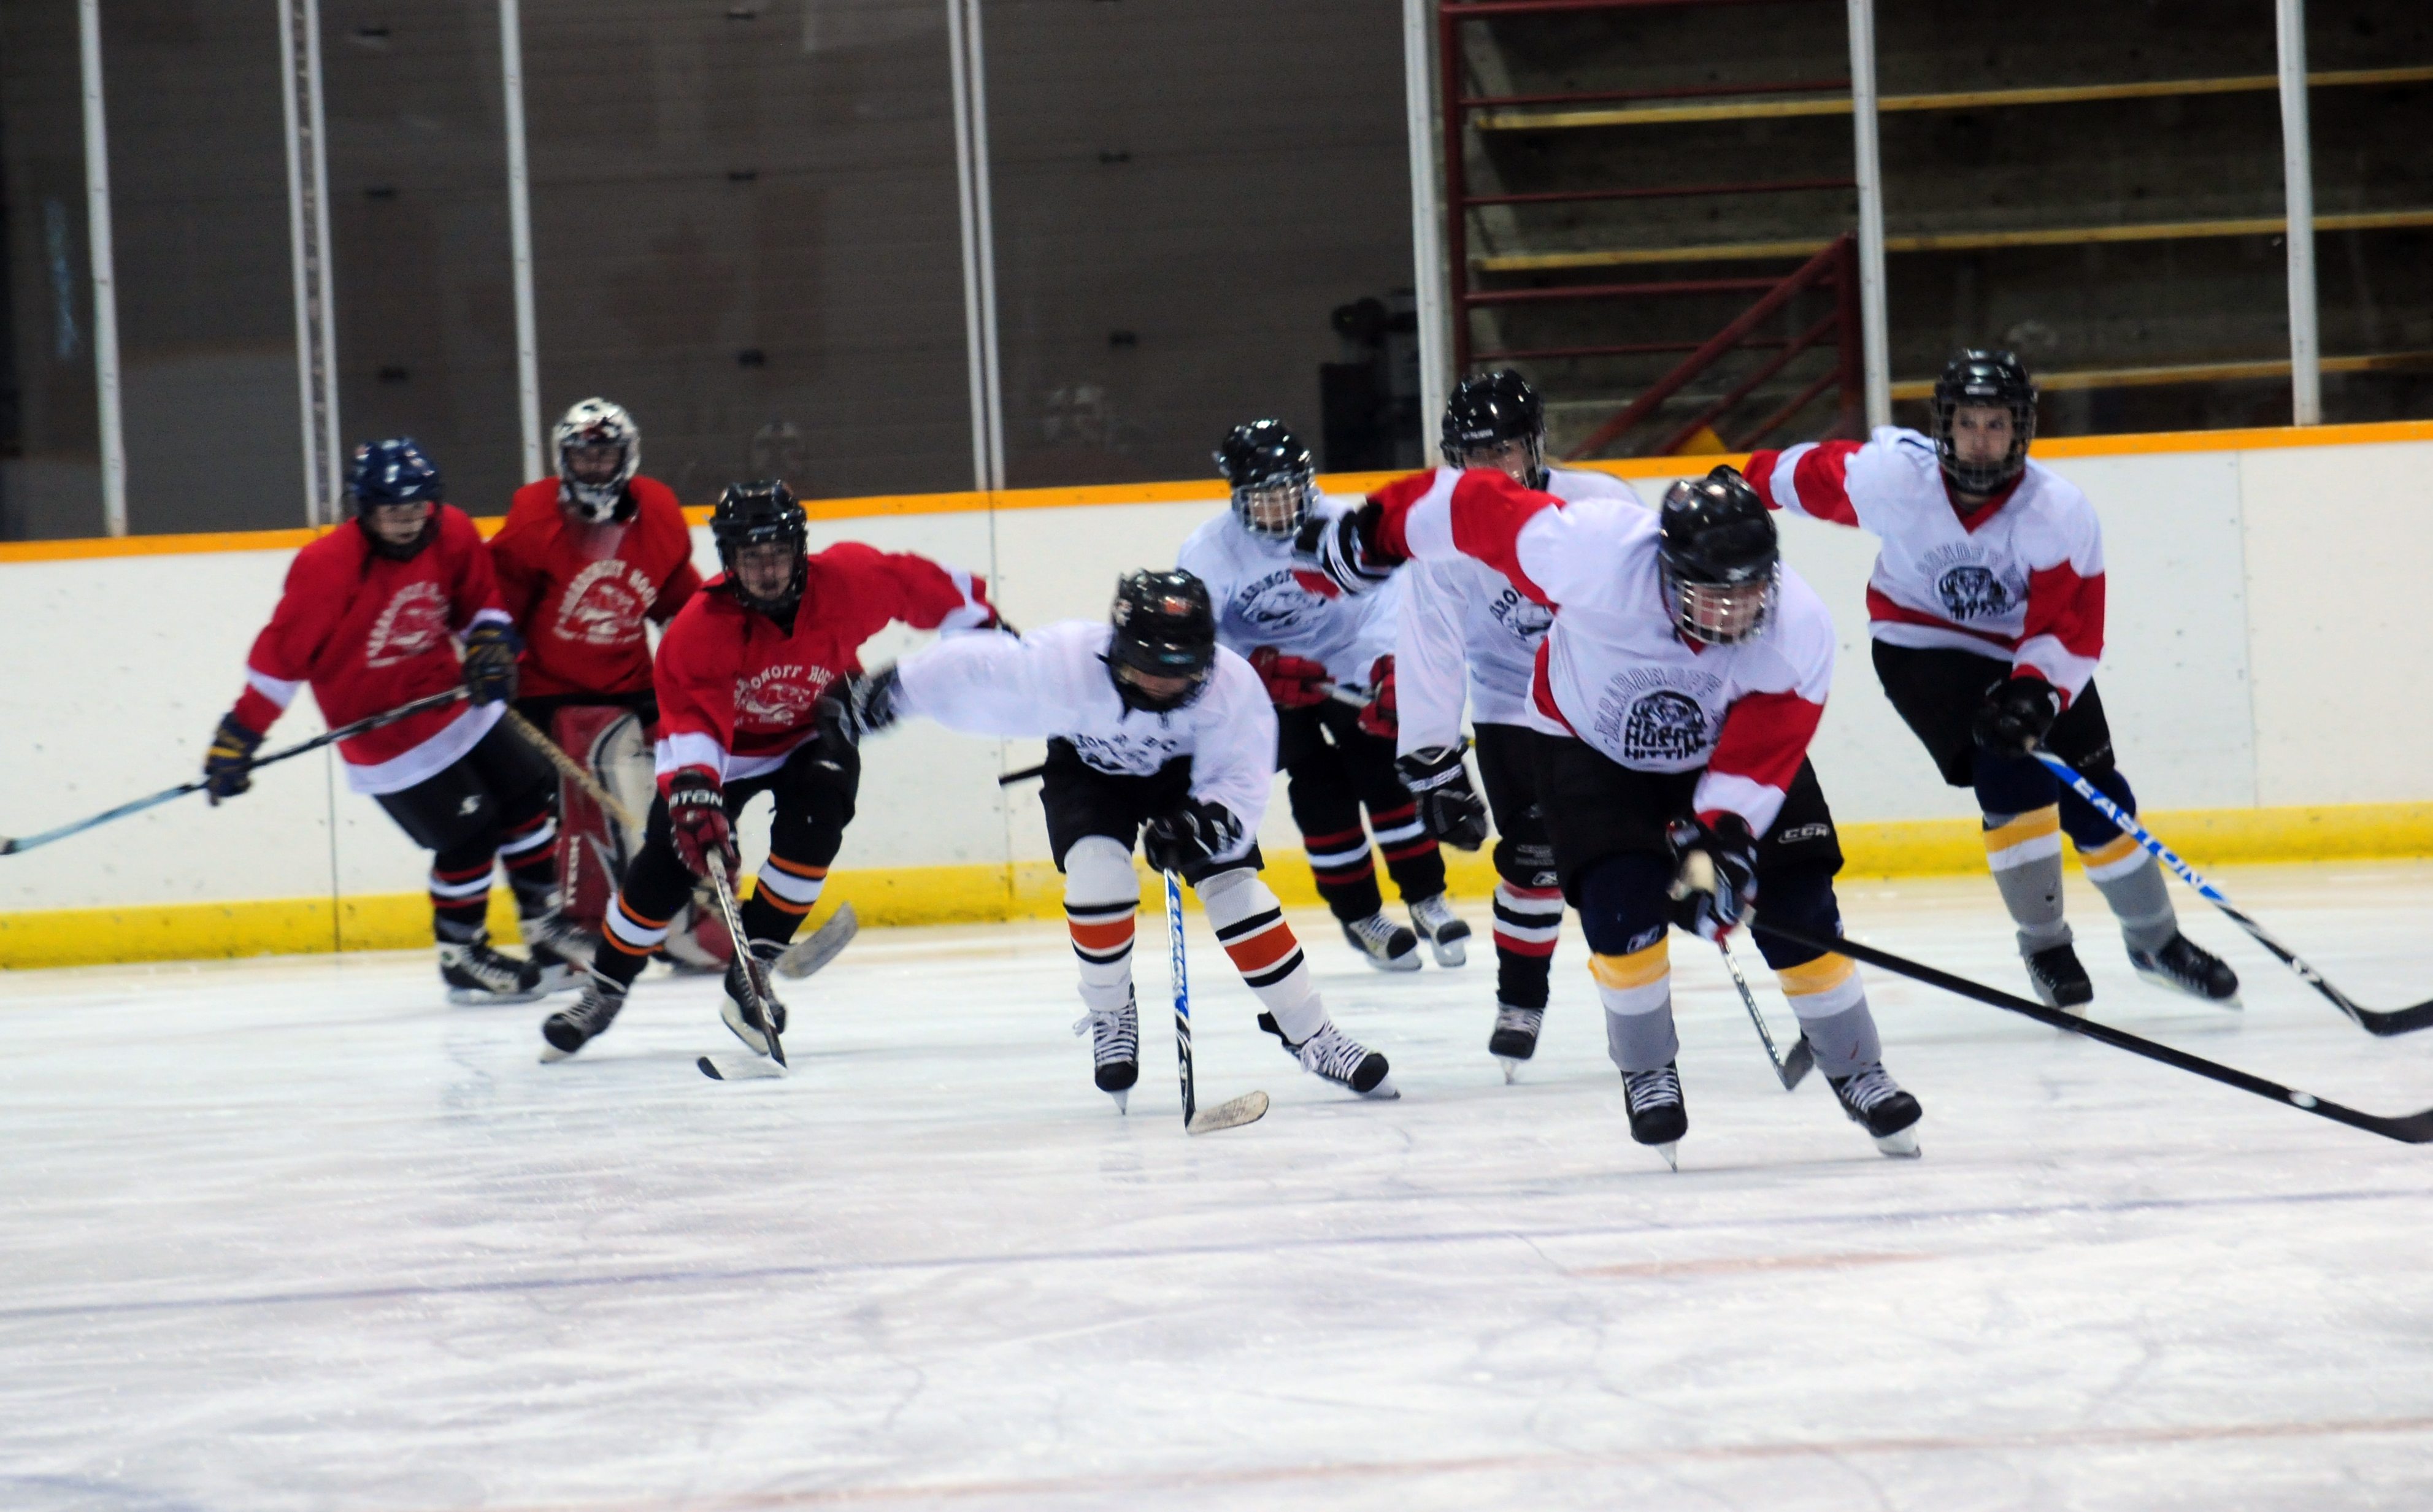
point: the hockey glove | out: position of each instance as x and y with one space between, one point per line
1292 681
1378 715
491 653
2017 715
1343 552
697 819
228 766
1716 885
859 705
1190 836
1449 806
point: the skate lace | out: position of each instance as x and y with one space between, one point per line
1332 1053
595 1008
495 972
1114 1032
1375 932
1432 914
1870 1088
1642 1089
1524 1019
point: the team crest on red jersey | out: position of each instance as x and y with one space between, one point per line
604 606
414 622
782 696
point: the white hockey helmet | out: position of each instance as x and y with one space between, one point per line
596 422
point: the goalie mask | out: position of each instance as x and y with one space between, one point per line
1995 379
598 450
1274 481
1164 644
1719 557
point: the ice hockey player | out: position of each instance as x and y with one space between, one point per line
1986 613
1154 733
1675 699
1299 635
739 675
587 561
371 617
1459 613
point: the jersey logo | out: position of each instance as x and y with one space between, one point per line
781 696
1972 593
1525 618
604 606
415 622
1664 726
1799 832
1135 756
1278 602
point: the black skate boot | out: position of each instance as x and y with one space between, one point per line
1877 1104
1657 1115
1114 1047
1515 1039
478 976
1383 944
560 946
742 1012
569 1030
1448 937
1338 1058
2060 981
2188 968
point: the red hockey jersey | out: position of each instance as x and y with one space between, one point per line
580 592
369 633
736 689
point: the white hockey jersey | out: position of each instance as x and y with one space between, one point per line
1259 602
1613 671
1053 682
1464 624
2021 579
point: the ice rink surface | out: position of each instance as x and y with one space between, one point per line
294 1234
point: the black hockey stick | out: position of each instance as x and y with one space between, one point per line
2373 1021
1789 1068
755 984
2409 1129
10 848
1250 1106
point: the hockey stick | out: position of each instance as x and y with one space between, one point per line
2373 1021
2409 1129
1246 1108
1790 1068
10 848
1334 690
754 982
575 771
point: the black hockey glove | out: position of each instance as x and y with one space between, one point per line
1190 836
1449 806
491 653
1343 552
228 766
859 705
697 821
1716 885
2017 715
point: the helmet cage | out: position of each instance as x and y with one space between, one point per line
1487 410
1276 506
597 423
1722 614
780 523
1992 380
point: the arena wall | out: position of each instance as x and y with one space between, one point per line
2266 676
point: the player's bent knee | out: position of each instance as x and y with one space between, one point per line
2013 785
1802 897
1622 902
2084 824
1233 895
1098 869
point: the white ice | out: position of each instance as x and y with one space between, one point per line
294 1234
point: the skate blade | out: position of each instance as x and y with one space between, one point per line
1511 1068
551 1054
1670 1152
1123 1101
2158 980
1408 960
727 1068
809 955
1900 1146
475 997
1385 1090
1246 1108
1449 953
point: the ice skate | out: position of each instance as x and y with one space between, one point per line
1383 944
2185 966
1515 1039
740 1010
561 946
2060 981
478 976
1447 935
569 1030
1877 1104
1114 1047
1338 1058
1659 1118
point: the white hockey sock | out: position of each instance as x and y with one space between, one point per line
1249 924
1637 990
1101 895
1831 1003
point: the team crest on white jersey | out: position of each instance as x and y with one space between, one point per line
1657 715
1972 593
1525 618
605 604
1278 602
415 622
1130 754
781 695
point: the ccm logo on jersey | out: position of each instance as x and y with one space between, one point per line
415 620
1798 832
781 695
605 604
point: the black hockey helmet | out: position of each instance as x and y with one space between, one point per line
1164 628
395 471
1990 378
761 514
1722 561
1274 480
1485 411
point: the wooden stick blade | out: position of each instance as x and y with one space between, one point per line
1246 1108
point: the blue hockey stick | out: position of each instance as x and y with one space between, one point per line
1246 1108
2373 1021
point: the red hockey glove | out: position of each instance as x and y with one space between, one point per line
1378 715
697 818
1290 679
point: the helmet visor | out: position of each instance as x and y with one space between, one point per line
1724 614
1273 508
